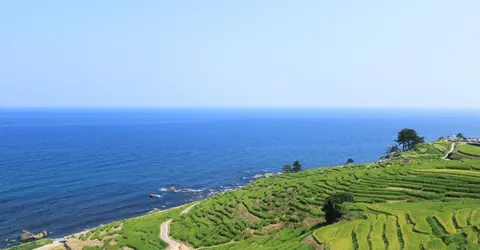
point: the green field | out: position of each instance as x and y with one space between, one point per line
417 200
469 150
32 245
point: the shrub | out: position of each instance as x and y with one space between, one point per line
332 206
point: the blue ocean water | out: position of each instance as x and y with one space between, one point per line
66 170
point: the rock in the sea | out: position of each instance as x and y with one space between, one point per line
29 236
268 175
171 189
258 176
26 236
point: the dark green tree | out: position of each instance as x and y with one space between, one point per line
297 167
332 207
408 138
349 161
460 136
287 168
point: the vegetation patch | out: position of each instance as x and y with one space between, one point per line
243 212
32 245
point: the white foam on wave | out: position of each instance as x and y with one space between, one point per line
195 190
182 190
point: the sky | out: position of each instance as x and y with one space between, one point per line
240 53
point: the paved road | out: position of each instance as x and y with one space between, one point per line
165 231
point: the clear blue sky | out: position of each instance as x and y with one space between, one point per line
244 53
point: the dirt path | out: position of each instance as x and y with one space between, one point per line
165 231
186 210
449 152
54 245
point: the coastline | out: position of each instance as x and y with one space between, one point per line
260 175
253 179
85 199
209 193
61 241
75 236
154 211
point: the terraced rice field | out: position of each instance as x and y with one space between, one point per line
390 198
434 226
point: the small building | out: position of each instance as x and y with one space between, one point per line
474 140
453 139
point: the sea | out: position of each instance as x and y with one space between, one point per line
66 170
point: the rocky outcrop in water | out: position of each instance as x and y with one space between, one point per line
257 176
29 236
268 175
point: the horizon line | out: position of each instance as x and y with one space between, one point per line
236 108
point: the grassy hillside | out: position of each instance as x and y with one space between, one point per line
416 200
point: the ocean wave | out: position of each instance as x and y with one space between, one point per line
193 190
181 190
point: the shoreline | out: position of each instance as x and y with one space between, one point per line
61 240
260 175
264 175
58 240
153 211
210 193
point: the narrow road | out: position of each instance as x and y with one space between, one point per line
449 152
172 244
165 231
186 210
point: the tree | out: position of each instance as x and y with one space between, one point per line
408 138
287 168
297 167
332 206
349 161
460 136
